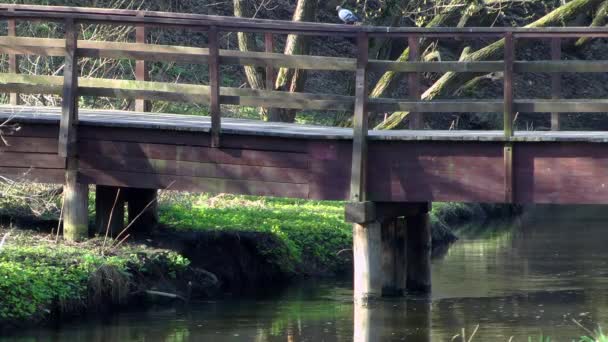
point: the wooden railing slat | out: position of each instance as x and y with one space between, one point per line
69 103
358 176
214 86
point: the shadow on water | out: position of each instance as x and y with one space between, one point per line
535 276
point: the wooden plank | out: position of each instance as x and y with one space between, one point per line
69 103
439 67
562 106
330 169
560 66
195 154
269 48
195 139
509 56
13 62
564 173
509 182
358 178
50 176
556 81
214 85
413 82
194 184
437 106
437 171
33 160
151 167
30 145
36 84
141 67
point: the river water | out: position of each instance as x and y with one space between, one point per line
512 280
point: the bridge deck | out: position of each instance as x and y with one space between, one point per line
162 150
192 123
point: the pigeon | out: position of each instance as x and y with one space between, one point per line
347 16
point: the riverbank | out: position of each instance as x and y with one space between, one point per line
44 279
208 245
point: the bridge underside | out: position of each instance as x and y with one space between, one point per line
157 151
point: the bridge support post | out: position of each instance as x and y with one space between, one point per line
143 209
419 253
75 208
391 249
109 205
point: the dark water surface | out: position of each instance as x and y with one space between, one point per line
517 280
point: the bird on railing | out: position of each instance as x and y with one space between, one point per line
347 16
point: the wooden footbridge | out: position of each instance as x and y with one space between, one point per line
388 177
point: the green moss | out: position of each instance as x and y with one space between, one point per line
314 232
39 277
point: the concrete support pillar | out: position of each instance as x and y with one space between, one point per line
143 208
75 208
419 253
367 255
109 205
394 258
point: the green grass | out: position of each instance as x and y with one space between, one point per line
314 232
39 277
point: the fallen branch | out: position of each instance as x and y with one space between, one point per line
452 81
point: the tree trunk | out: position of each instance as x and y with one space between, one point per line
293 80
451 12
255 76
600 19
451 81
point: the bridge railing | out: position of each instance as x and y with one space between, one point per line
70 87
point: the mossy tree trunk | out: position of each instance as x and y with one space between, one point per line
452 81
454 10
291 80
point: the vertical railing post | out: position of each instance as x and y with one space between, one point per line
556 80
75 214
269 47
13 63
214 86
358 180
509 58
141 66
69 107
414 81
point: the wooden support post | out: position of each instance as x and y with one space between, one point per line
143 210
509 59
358 177
75 213
394 257
368 322
269 47
13 62
509 185
413 82
556 81
367 251
419 253
214 84
141 66
109 205
76 208
69 105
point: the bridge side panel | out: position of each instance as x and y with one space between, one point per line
30 154
427 171
561 173
160 159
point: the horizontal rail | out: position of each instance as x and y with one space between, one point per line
184 54
200 94
119 16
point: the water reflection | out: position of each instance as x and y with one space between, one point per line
523 280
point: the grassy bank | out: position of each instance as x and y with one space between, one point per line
41 278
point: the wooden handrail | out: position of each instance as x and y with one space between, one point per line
120 16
